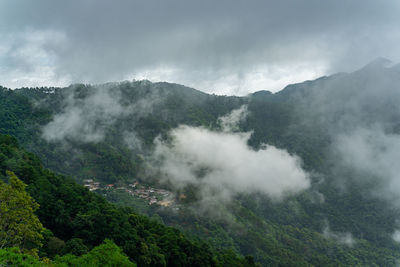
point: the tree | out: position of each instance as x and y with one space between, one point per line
14 257
75 246
55 246
106 254
19 226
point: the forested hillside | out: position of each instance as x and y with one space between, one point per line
337 138
77 220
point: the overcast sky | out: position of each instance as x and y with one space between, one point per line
223 47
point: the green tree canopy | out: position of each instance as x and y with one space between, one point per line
14 257
19 226
106 254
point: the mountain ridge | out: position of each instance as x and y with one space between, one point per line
318 121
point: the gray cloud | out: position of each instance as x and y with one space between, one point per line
224 47
221 164
374 155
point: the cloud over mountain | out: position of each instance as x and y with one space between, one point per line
225 47
221 164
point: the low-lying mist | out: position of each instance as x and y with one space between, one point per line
220 164
373 154
359 113
86 116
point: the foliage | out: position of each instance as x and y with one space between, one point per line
106 254
14 257
70 211
75 246
24 111
19 226
275 234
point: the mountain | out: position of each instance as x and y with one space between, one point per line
340 131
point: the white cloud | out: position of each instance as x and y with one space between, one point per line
396 236
222 164
231 121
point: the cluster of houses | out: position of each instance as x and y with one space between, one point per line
152 195
91 185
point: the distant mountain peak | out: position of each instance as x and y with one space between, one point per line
379 62
261 93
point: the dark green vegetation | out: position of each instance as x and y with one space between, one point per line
305 119
23 113
78 220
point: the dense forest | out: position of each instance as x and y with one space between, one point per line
76 221
343 130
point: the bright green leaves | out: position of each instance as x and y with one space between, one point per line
19 226
14 257
106 254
